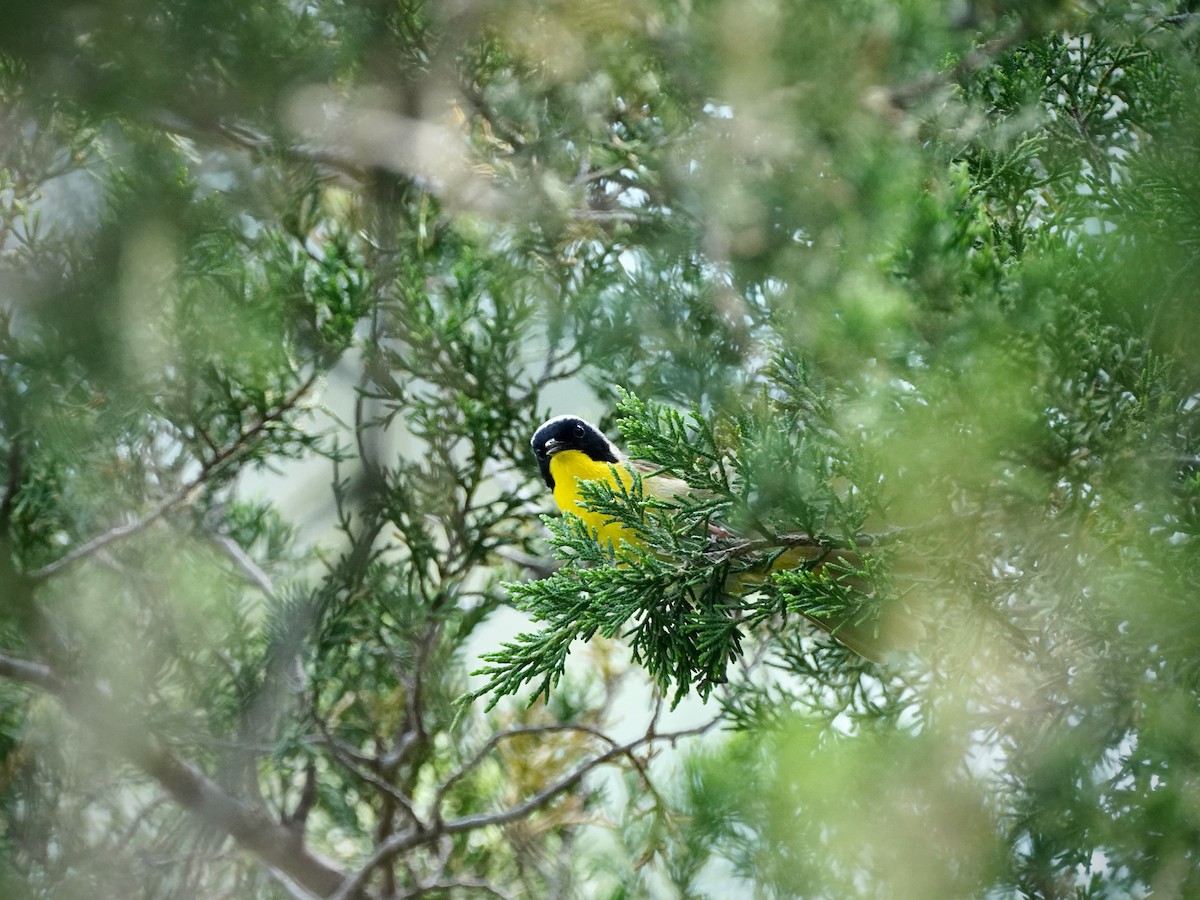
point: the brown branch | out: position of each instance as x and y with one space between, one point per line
495 740
180 495
31 673
250 569
502 130
610 216
257 143
254 830
297 819
401 843
539 566
904 96
346 756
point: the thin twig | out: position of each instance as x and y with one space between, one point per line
539 566
402 843
249 567
177 497
36 674
494 741
347 757
905 95
249 824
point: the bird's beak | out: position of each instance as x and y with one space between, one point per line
553 446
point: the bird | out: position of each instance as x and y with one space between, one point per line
570 451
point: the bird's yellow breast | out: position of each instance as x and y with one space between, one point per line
568 468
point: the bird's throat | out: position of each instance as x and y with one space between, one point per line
568 468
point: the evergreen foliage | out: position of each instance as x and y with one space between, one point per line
904 293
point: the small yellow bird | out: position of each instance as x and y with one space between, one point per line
570 451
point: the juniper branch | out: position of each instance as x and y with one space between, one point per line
180 495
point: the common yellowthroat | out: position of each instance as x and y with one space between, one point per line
571 451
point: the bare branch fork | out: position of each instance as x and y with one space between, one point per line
401 843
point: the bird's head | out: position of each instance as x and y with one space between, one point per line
569 433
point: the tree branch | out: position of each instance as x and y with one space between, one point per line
401 843
258 143
904 96
32 673
346 756
177 497
251 827
495 740
252 571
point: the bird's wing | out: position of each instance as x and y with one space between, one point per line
660 485
874 639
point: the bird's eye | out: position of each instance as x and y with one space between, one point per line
579 431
